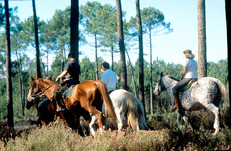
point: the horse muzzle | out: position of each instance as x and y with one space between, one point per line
30 99
156 92
29 105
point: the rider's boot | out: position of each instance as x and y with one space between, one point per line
61 106
176 100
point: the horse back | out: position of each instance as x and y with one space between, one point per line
204 91
86 93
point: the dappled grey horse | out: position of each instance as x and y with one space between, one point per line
206 92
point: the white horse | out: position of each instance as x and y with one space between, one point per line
129 111
206 92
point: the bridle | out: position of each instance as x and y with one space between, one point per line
34 97
165 88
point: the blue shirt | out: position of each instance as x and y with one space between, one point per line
110 79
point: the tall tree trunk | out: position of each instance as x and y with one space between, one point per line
43 69
202 54
36 40
23 93
112 58
10 112
121 45
47 64
133 80
20 79
228 26
96 59
151 96
141 58
75 28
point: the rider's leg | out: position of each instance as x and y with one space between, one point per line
176 100
58 98
175 91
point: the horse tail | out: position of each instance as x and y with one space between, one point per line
132 112
109 108
223 92
142 120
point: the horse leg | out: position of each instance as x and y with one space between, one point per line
120 124
77 124
91 125
87 117
215 111
180 114
99 116
178 118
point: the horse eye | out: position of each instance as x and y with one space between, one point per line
34 84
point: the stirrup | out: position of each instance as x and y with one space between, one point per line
60 109
174 108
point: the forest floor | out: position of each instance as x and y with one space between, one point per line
19 127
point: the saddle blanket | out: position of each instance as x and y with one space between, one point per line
68 91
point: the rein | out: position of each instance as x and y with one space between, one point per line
168 86
39 94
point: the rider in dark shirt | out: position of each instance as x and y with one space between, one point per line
71 73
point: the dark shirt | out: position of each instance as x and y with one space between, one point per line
73 69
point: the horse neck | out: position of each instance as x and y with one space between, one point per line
48 92
169 83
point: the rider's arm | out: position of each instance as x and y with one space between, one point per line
183 73
65 72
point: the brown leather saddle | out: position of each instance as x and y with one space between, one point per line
187 87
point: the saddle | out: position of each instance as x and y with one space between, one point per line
68 91
187 87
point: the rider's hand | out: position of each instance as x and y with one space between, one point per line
57 79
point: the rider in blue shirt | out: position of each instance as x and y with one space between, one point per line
109 77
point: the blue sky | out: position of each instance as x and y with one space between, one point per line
182 14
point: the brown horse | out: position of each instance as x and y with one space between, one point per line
39 87
86 99
89 95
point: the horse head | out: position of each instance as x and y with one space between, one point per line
33 91
159 86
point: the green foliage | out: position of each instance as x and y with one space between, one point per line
87 69
218 70
3 103
91 17
1 14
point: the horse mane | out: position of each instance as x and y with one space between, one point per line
48 81
171 77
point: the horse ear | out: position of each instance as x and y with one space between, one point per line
161 74
31 78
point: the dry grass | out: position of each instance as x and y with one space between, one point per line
58 137
164 134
